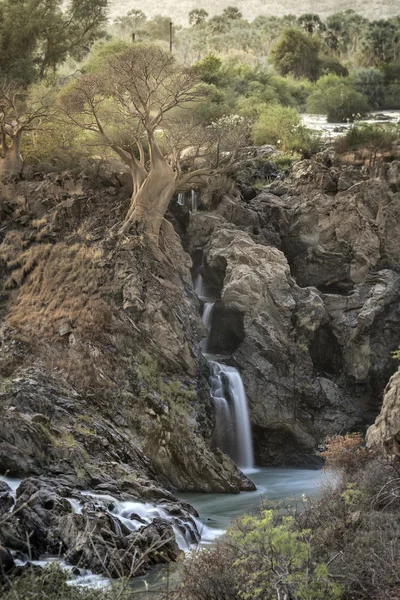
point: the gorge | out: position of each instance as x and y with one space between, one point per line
112 406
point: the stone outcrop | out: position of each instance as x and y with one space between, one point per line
309 286
384 434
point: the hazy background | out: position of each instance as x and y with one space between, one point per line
178 9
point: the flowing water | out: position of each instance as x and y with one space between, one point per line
232 431
330 131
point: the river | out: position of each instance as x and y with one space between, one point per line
218 511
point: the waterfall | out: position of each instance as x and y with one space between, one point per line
232 432
207 315
194 200
181 199
199 287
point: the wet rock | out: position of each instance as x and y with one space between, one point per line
7 563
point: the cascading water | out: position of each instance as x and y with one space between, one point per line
207 315
232 429
194 200
181 199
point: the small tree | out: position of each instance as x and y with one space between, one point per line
135 106
20 112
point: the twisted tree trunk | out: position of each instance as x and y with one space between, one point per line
10 163
151 200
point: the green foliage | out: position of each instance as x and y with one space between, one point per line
331 66
335 97
198 16
297 54
49 583
36 36
102 52
371 83
392 97
281 126
369 137
267 556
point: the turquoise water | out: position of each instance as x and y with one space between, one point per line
217 511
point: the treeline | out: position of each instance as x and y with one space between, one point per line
361 57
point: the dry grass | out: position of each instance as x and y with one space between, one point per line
56 285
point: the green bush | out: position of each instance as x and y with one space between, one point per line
368 137
392 97
335 97
282 127
370 83
263 556
49 583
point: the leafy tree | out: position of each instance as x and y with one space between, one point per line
333 66
134 106
379 42
371 83
132 21
158 28
232 13
198 16
38 35
21 111
209 69
296 54
282 127
219 24
311 23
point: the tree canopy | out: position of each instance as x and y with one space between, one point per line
38 35
134 105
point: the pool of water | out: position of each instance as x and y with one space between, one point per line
218 511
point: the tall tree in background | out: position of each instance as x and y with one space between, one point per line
38 35
296 53
311 23
135 106
198 16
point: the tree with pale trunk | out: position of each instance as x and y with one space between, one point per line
21 111
139 105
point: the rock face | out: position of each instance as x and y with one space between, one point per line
102 386
384 434
309 283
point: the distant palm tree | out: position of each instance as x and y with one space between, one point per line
310 23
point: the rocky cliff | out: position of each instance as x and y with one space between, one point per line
101 384
105 399
307 273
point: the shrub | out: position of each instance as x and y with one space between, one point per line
49 583
281 126
370 138
345 452
263 556
392 97
335 98
334 67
